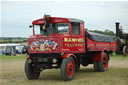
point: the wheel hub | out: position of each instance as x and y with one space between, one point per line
70 68
103 62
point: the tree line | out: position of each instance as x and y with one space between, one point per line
106 32
12 40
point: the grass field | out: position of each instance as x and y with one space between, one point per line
12 73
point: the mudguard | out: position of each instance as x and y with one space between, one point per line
68 55
98 55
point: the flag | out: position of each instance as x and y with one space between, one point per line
36 43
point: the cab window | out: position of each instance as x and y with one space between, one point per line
54 28
75 28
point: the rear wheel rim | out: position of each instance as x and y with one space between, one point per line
105 62
70 68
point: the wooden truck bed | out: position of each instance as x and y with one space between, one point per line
98 42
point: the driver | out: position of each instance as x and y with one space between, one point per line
42 29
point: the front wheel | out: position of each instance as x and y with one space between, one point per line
68 68
31 71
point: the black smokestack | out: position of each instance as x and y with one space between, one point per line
117 29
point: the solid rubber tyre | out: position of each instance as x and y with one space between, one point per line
101 66
67 68
125 51
96 68
30 71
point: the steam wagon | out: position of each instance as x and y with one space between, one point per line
63 43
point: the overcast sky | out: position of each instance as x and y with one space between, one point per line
16 16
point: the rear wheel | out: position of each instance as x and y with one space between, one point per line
67 68
102 65
31 71
96 68
125 51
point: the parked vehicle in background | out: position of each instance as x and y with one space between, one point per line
11 49
122 40
63 43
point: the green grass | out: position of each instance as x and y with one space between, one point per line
119 57
12 73
17 57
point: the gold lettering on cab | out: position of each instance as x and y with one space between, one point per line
73 40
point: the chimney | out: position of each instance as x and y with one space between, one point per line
117 29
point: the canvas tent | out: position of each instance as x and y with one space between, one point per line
9 49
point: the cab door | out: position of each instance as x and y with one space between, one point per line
77 43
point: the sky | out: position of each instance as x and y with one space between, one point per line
16 16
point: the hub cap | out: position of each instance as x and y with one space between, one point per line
70 68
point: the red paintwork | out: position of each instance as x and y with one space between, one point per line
98 55
68 55
70 68
34 42
37 47
106 62
53 20
27 56
59 39
99 46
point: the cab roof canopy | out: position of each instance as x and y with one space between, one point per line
57 20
